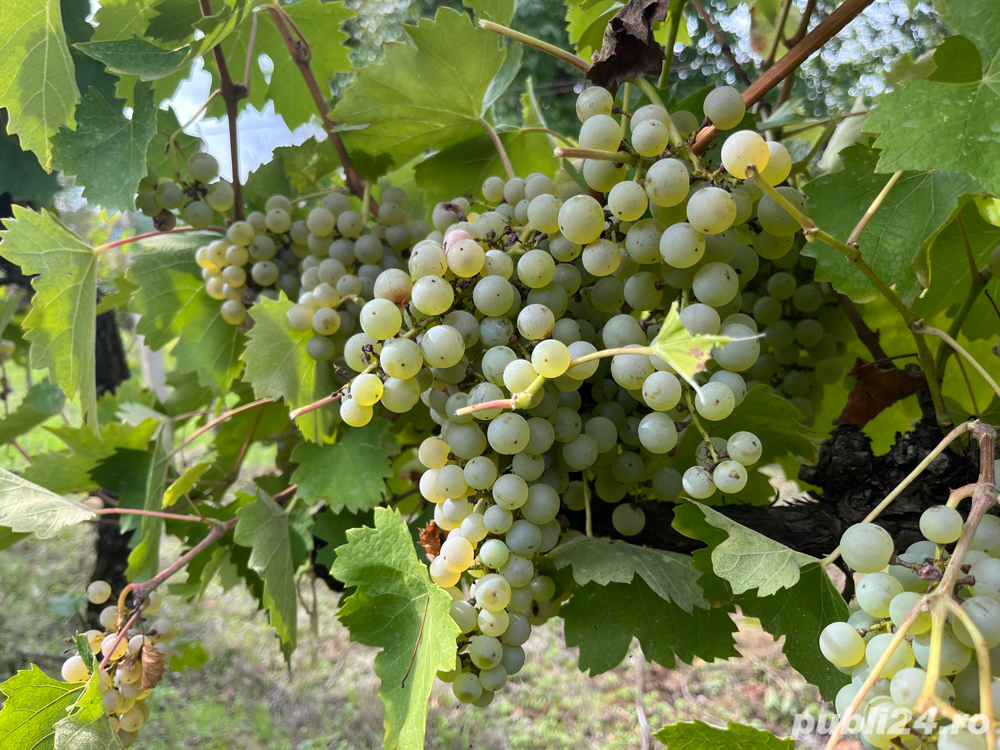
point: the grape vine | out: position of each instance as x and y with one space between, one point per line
509 375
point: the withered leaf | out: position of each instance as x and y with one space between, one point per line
153 666
876 388
629 49
430 539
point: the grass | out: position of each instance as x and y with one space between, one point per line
245 697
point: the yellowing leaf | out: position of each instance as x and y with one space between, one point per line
61 324
687 354
26 507
184 483
37 80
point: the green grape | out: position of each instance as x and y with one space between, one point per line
581 219
485 652
902 657
354 414
650 137
493 189
535 322
169 195
536 268
628 520
715 401
984 611
321 222
240 233
603 175
987 536
941 524
779 164
550 358
442 346
202 166
367 389
467 687
492 590
381 319
698 482
401 358
866 547
265 273
523 538
711 210
742 149
599 132
730 477
715 284
233 312
493 295
145 201
841 644
682 246
601 258
685 122
724 107
744 447
350 224
955 656
508 434
902 604
594 101
494 553
464 615
466 258
197 214
876 591
432 295
543 213
775 219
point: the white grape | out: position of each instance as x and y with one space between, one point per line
711 210
724 107
866 547
742 149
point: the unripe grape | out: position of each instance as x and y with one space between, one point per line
594 101
203 166
467 687
169 195
197 214
742 149
724 107
220 196
233 312
628 520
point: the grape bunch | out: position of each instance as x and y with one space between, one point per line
891 587
123 688
196 201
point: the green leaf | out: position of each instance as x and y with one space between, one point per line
943 124
267 180
22 176
602 620
136 56
349 474
121 19
498 11
745 559
800 613
144 561
107 152
425 95
450 172
951 276
604 561
118 299
216 27
35 702
44 400
185 482
9 538
505 76
188 394
83 648
188 656
332 528
61 324
174 305
173 20
397 608
586 22
698 735
299 168
9 309
264 528
913 212
278 365
37 83
687 354
26 507
159 158
88 728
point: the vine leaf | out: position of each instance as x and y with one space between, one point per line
9 538
88 728
698 735
120 19
144 560
602 620
949 272
332 529
425 95
22 176
61 324
263 526
396 607
174 306
185 482
159 158
498 11
742 557
44 400
107 151
26 507
604 561
800 614
349 474
913 213
686 353
172 20
279 367
35 702
914 134
629 49
37 80
450 171
136 56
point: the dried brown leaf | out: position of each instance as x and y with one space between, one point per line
153 666
876 388
629 49
430 539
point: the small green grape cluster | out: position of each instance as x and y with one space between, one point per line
891 587
121 681
196 201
